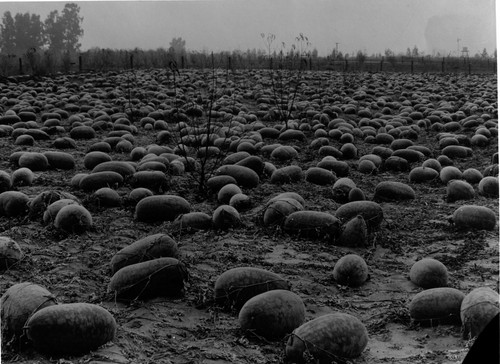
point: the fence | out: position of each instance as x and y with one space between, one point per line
417 65
107 60
400 64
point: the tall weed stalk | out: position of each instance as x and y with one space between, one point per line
286 78
201 157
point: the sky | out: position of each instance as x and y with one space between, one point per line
372 26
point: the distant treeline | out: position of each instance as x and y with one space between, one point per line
24 34
32 47
46 62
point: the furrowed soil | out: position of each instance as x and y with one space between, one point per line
191 329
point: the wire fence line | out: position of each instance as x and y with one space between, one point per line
44 64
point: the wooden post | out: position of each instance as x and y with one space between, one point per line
228 67
80 64
132 61
412 66
20 66
442 66
381 64
183 62
346 64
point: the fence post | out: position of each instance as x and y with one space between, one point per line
381 64
183 62
469 68
80 64
132 61
442 65
412 66
346 64
20 66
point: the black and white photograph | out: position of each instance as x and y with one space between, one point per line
249 182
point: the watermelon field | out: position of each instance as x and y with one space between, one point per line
203 215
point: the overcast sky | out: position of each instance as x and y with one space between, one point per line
368 25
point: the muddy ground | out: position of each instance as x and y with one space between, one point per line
191 329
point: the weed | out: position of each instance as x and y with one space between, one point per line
287 77
197 131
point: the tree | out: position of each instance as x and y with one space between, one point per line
54 32
29 30
390 56
360 57
64 30
22 22
36 31
72 27
178 46
21 34
484 54
414 52
8 34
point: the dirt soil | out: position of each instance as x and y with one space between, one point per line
191 329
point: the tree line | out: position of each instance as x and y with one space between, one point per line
26 33
30 45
